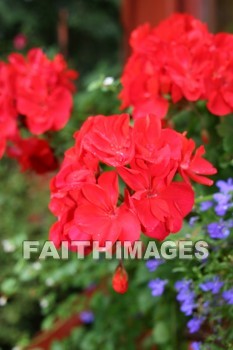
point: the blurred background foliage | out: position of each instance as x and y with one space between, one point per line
94 30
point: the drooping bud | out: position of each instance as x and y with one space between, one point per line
120 279
205 136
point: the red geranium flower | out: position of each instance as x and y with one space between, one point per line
178 59
43 90
110 139
160 207
33 154
152 143
87 201
8 111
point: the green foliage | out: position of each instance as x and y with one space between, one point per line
94 29
225 129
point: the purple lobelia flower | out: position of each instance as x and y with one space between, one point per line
225 186
228 296
204 206
183 285
193 220
188 306
185 296
157 286
196 345
214 285
153 264
224 202
87 317
220 229
195 324
224 197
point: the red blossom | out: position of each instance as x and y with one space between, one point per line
8 111
43 90
88 201
160 207
36 94
178 59
110 139
33 154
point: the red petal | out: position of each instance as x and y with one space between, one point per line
157 106
217 105
180 198
181 195
159 208
200 165
130 225
158 232
147 130
109 182
97 196
133 178
94 221
200 179
60 104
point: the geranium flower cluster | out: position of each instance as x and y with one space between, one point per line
35 93
178 59
136 192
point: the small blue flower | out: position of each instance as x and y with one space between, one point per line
182 284
196 345
193 220
223 203
228 296
219 230
223 198
225 186
157 286
87 317
185 296
212 286
195 324
204 206
188 306
153 264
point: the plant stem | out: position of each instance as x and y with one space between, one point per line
204 199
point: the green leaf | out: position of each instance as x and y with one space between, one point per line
9 286
225 130
161 333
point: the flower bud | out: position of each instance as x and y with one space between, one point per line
205 137
120 280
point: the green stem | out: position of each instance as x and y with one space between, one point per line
204 199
